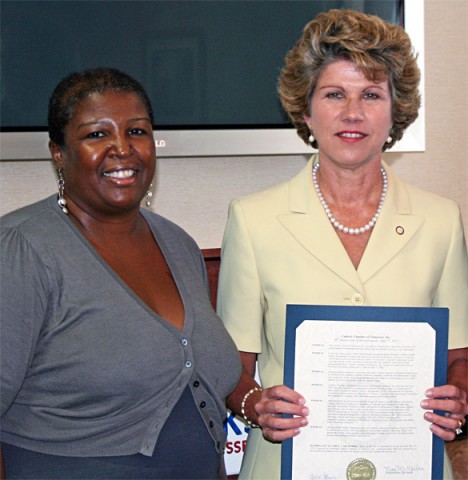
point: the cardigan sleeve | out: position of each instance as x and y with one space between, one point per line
23 305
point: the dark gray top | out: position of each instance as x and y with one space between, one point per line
87 369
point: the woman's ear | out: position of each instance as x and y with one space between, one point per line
56 152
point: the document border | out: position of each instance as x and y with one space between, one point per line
436 317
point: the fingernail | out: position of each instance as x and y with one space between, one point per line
428 393
302 401
305 411
304 421
424 403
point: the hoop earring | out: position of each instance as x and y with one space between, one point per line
149 196
311 138
62 203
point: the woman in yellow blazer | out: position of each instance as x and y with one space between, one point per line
290 244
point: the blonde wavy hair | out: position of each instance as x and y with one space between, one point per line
377 48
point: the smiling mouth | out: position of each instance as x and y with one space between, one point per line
351 135
121 174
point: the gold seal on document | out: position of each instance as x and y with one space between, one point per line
361 469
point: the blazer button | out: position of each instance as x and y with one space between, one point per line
357 299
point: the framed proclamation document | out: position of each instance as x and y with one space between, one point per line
363 372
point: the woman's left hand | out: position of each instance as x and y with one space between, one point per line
451 400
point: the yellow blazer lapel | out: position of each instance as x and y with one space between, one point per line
309 225
394 229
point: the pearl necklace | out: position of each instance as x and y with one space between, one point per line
339 226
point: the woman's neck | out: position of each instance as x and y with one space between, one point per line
97 225
351 188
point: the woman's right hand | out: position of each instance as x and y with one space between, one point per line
274 403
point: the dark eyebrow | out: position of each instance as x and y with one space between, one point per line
139 118
374 85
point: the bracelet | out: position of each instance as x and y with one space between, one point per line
246 396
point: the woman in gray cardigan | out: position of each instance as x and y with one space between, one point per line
114 364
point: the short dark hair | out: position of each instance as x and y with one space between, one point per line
79 85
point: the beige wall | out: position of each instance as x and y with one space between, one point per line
195 192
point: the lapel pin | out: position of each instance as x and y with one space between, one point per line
400 230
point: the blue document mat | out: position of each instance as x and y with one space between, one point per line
436 317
